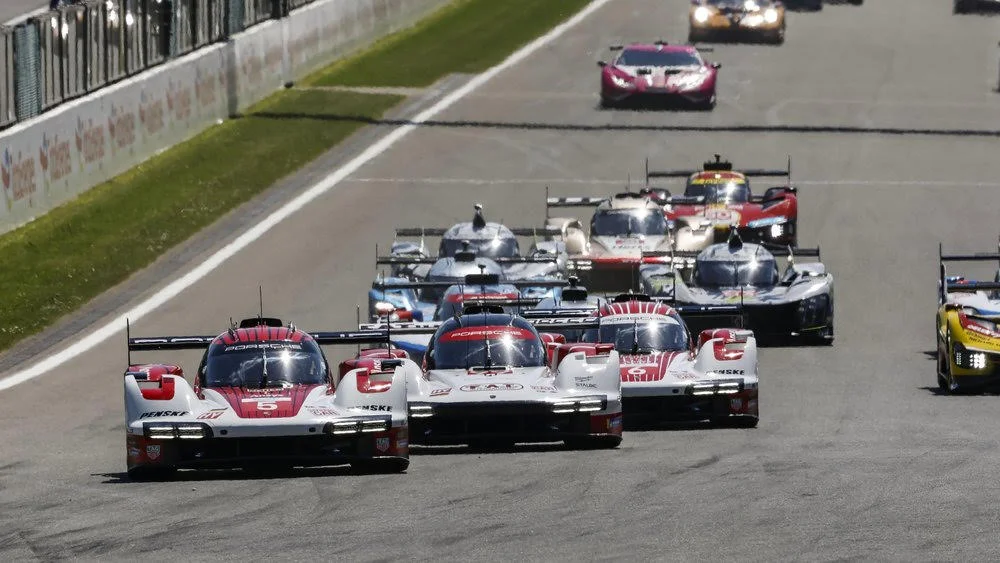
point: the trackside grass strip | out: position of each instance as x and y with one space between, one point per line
468 36
57 263
65 258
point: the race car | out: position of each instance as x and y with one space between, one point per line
621 228
658 72
751 19
717 198
796 304
666 375
263 396
968 327
967 6
486 382
485 239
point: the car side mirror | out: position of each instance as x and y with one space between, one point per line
716 65
602 64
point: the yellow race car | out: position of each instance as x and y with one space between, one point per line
752 19
968 328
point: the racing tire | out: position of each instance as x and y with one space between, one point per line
778 38
593 442
606 103
145 474
962 6
381 465
707 105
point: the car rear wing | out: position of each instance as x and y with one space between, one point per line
696 317
415 260
681 256
944 286
720 165
470 280
439 232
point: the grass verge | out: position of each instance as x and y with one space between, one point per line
65 258
57 263
468 36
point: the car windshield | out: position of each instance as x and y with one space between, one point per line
617 222
645 57
719 192
489 247
488 346
653 336
760 273
265 364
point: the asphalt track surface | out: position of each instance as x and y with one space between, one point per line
10 9
856 457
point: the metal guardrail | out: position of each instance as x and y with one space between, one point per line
86 45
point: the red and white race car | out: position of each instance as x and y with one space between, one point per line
717 198
264 396
658 72
666 375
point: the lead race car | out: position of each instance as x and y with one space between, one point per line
658 71
666 375
754 19
263 396
485 381
968 327
795 304
718 199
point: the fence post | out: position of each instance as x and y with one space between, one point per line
27 70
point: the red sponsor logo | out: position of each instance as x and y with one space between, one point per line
153 452
440 392
121 128
205 88
487 332
460 297
382 444
55 157
18 174
90 140
151 113
211 415
179 101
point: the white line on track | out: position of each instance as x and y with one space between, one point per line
591 181
326 184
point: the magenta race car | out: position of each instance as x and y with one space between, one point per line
658 72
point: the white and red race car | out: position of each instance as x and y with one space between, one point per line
667 376
264 396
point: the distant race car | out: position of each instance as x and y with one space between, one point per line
263 396
668 375
797 303
966 6
762 20
485 239
717 198
650 72
486 382
622 228
968 327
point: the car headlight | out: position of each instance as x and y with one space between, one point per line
777 231
767 222
751 6
621 82
172 430
753 20
702 14
690 82
770 15
968 359
580 404
813 311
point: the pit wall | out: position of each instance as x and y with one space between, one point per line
61 154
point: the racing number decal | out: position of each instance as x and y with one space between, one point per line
267 406
637 371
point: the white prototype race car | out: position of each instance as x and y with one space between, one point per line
264 396
486 381
667 375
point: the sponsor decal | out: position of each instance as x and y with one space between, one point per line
736 405
153 452
615 423
578 379
318 411
90 141
151 113
377 408
134 452
484 332
492 387
544 389
727 372
460 297
440 392
264 346
212 414
382 444
121 129
178 100
153 414
682 375
736 295
18 174
587 385
55 158
402 443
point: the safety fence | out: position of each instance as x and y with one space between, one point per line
82 47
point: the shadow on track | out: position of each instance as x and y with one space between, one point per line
489 449
121 478
539 126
